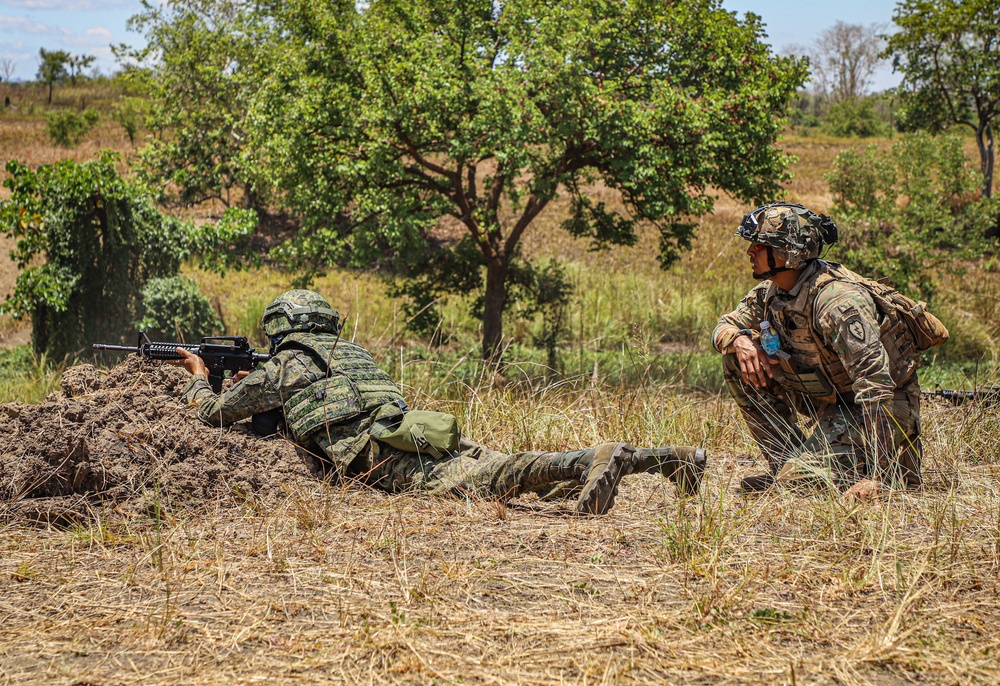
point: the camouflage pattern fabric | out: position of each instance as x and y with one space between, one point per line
473 472
844 447
867 421
352 452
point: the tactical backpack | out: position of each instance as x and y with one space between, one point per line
927 330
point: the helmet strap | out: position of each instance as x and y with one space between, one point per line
774 268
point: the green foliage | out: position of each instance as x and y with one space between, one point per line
76 64
200 64
905 213
855 118
67 128
949 57
174 309
226 245
52 68
101 240
128 113
403 113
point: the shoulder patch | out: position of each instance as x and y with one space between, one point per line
856 329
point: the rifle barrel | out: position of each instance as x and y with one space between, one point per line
122 348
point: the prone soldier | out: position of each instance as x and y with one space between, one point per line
335 399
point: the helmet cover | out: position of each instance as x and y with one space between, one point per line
795 233
299 310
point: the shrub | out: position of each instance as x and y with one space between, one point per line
67 128
87 241
855 118
175 309
909 211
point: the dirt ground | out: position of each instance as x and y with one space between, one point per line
123 439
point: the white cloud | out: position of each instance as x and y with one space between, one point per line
97 37
71 5
9 24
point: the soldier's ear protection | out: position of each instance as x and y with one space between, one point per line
827 230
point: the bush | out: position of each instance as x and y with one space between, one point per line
67 128
174 309
87 241
855 119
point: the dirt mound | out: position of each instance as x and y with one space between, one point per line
126 439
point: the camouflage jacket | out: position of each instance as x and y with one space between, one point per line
830 328
291 370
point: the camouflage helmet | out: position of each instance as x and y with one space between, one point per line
797 234
299 310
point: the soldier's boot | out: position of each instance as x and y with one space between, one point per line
566 473
684 465
611 461
756 483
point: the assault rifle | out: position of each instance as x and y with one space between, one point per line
988 395
221 354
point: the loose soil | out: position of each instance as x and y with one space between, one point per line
124 439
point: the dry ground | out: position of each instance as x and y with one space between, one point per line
342 585
317 583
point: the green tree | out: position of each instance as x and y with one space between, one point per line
416 117
949 55
77 63
198 67
909 211
52 67
87 242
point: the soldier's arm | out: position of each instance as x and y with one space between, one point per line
747 315
258 392
848 322
847 319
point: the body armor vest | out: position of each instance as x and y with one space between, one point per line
354 385
813 368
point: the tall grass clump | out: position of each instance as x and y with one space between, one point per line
26 376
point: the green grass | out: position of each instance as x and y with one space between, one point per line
26 377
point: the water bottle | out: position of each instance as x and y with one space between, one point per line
769 340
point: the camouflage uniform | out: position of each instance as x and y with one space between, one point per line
849 367
353 453
335 399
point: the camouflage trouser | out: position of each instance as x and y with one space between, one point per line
842 448
473 471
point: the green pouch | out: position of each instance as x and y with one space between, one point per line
418 431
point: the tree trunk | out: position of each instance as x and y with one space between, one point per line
496 296
984 140
50 92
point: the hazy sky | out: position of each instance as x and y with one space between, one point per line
92 26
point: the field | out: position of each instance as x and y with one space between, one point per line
285 578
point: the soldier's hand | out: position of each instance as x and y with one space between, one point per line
191 362
755 365
862 491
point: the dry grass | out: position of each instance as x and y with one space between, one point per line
352 586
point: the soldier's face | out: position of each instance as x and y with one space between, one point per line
758 258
